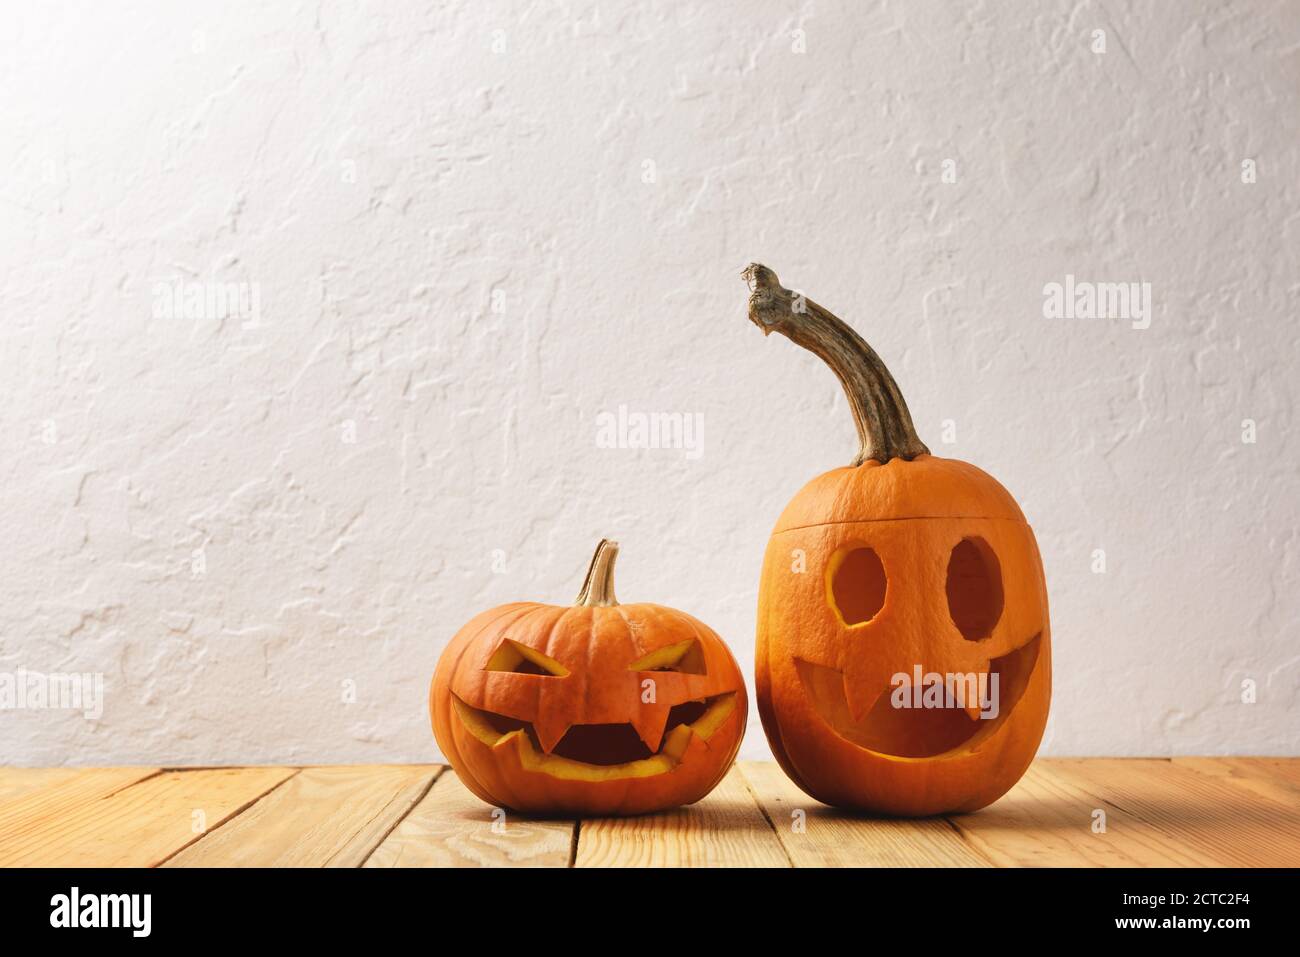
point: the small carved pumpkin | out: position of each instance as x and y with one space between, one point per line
591 709
904 655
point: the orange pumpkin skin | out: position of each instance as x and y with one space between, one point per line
526 770
902 566
912 514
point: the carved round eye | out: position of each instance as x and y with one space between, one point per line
974 588
858 586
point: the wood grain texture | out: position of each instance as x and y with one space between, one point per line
1275 778
725 829
1049 820
1158 812
321 817
38 796
453 828
815 835
24 791
16 782
1211 819
131 824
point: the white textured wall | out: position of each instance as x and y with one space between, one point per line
377 175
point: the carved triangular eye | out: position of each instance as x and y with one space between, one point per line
686 657
522 660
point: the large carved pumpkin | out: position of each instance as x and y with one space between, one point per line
904 655
591 709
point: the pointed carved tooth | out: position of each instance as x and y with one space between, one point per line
983 685
649 722
550 730
860 696
865 679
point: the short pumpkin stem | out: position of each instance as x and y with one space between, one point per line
598 589
885 428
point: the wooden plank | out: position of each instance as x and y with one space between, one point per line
1274 778
815 835
1184 812
1208 817
725 829
34 795
322 817
15 782
1048 820
27 790
133 826
453 828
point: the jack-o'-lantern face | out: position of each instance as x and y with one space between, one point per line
598 708
944 614
904 663
904 651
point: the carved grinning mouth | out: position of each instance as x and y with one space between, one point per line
600 752
916 732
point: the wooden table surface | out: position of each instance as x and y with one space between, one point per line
1088 812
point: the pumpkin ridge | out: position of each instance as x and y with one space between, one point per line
440 706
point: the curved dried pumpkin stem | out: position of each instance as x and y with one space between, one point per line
598 589
885 428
